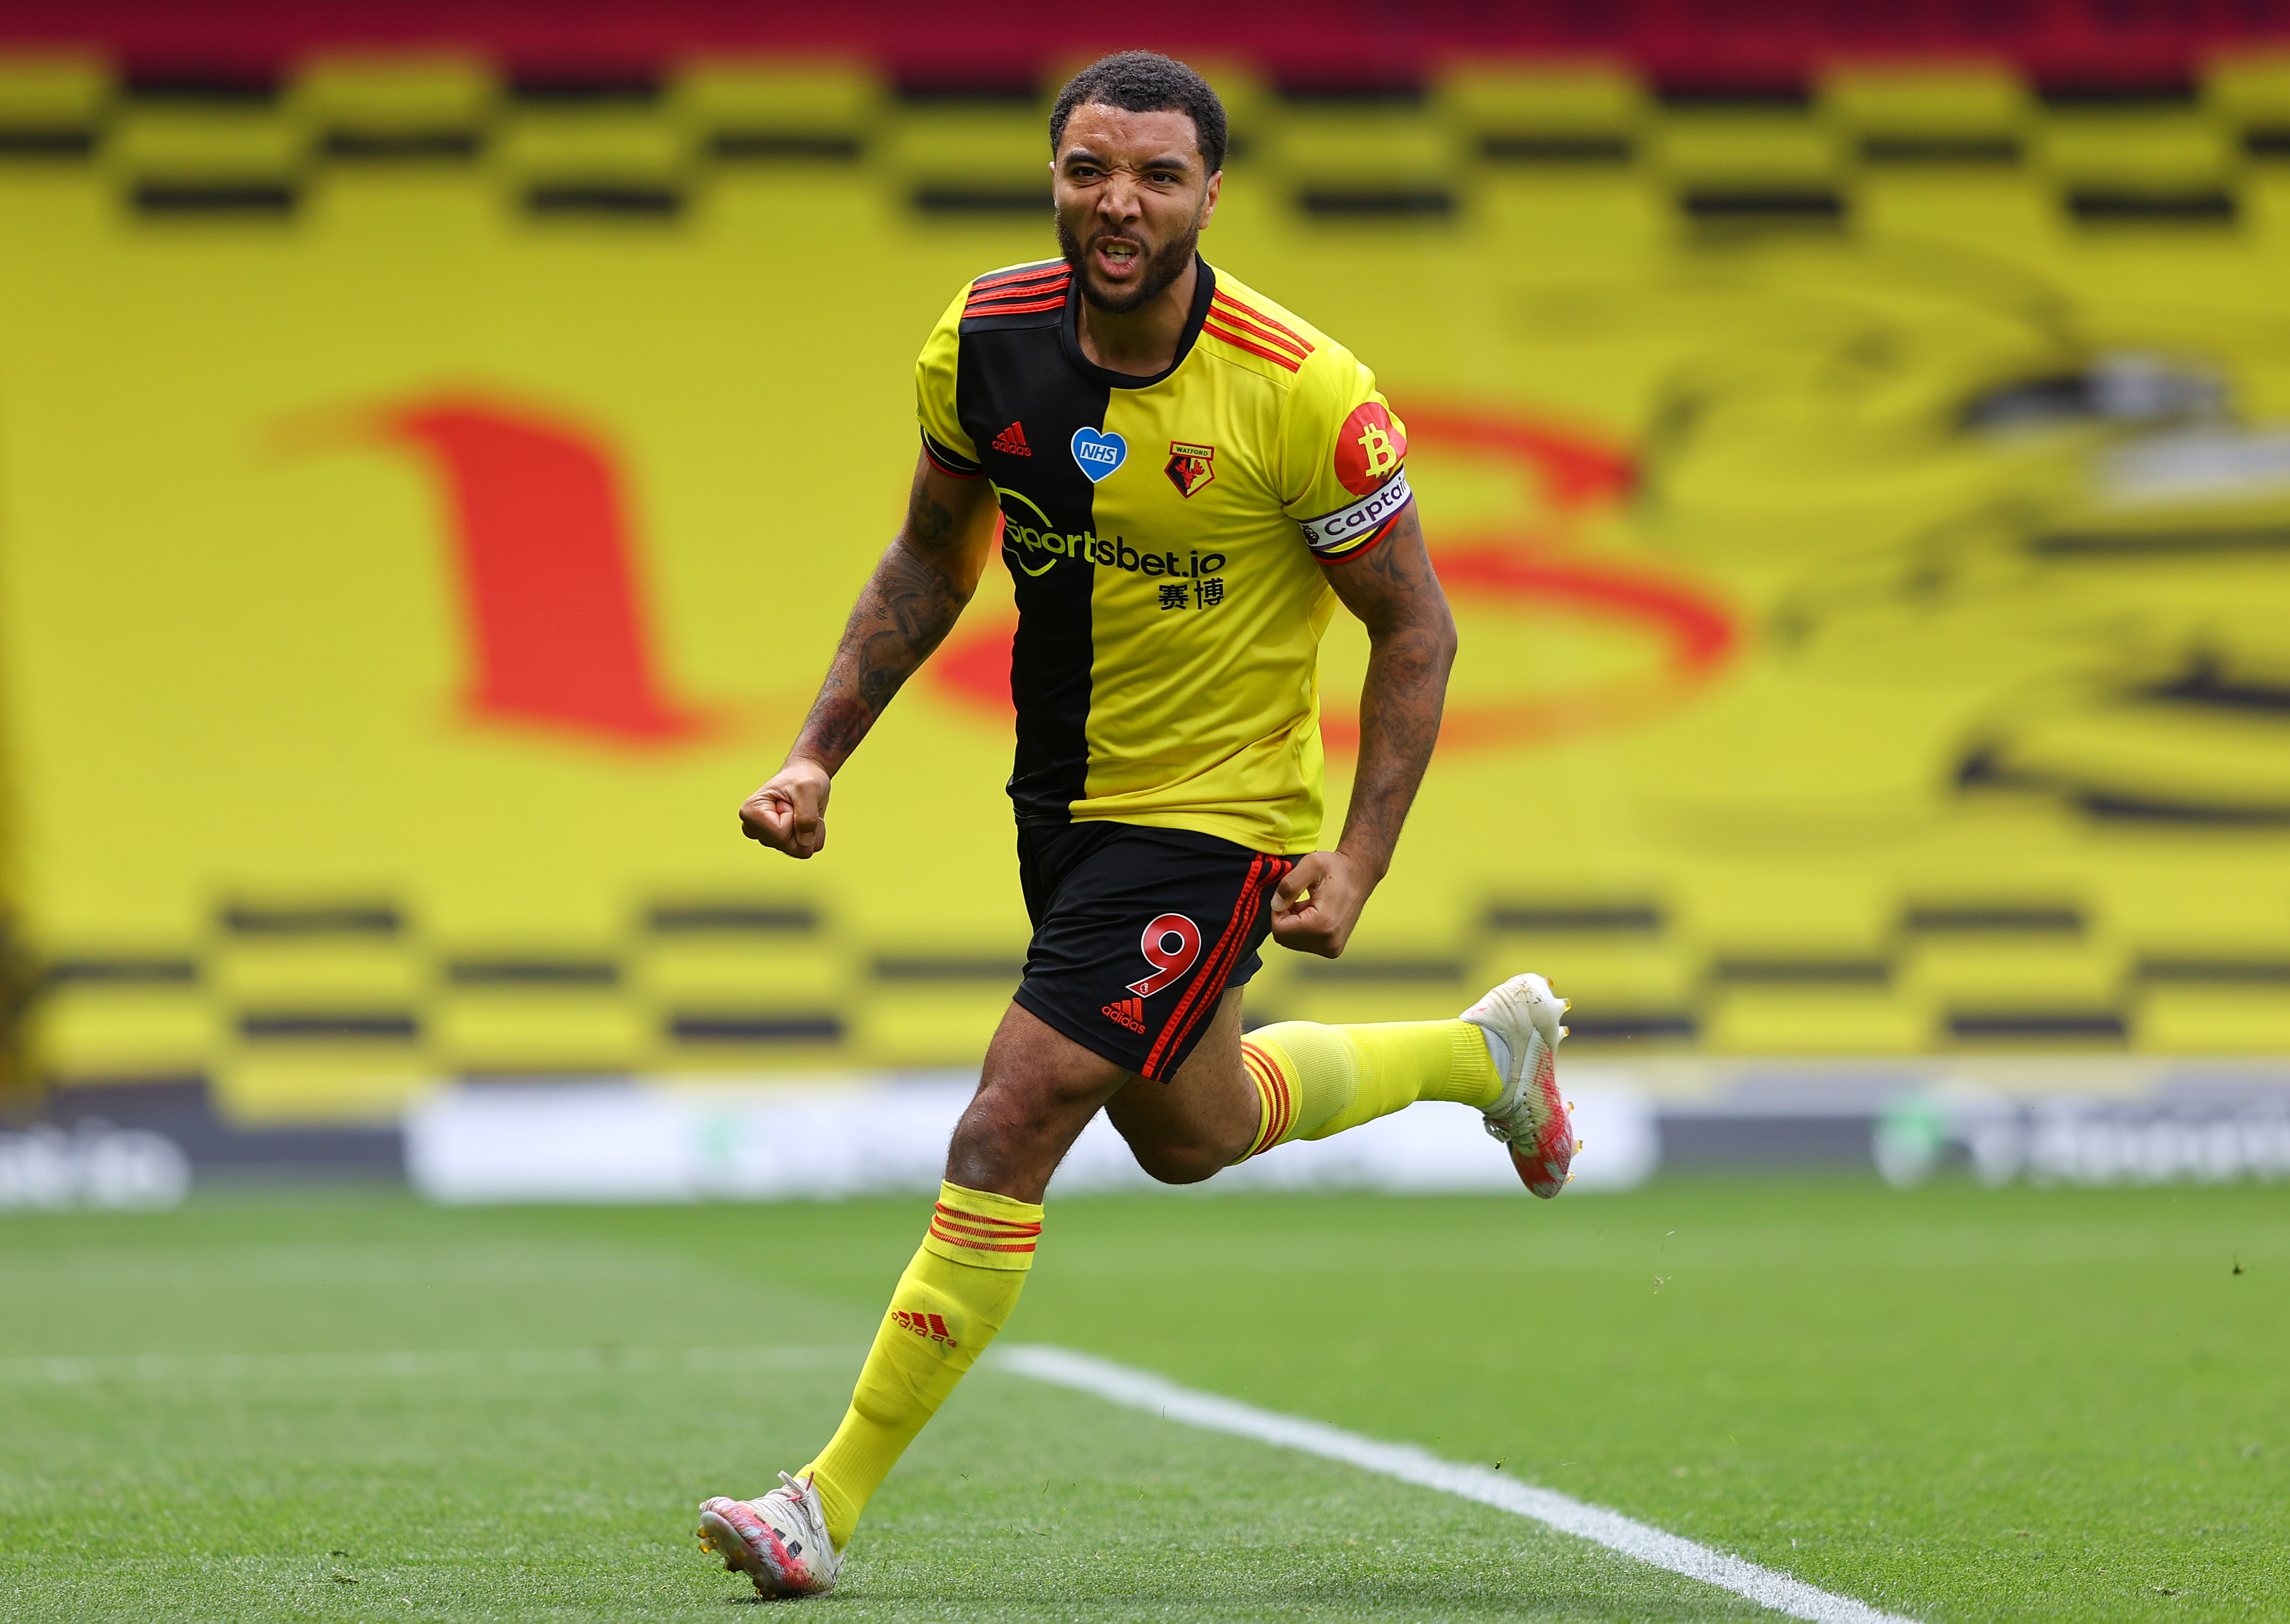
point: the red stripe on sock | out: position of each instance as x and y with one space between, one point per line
984 1237
977 1245
1280 1104
988 1218
1267 1090
1009 1224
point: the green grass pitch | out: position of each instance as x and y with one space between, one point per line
1953 1404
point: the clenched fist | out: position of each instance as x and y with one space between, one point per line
1317 905
789 813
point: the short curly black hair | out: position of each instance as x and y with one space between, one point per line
1146 82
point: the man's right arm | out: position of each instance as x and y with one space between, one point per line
905 610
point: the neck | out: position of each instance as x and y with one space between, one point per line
1143 342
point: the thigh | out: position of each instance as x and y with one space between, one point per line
1201 1119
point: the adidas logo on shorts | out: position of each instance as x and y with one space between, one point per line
1129 1013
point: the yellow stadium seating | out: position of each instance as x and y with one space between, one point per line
427 502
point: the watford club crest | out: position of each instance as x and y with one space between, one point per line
1191 467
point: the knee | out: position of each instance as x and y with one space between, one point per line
1189 1163
1011 1132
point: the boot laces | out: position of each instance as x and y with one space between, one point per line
795 1493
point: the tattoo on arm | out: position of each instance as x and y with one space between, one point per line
1412 645
928 521
904 613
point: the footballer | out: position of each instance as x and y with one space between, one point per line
1184 479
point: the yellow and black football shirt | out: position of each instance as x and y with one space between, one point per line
1168 536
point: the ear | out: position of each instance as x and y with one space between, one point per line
1209 194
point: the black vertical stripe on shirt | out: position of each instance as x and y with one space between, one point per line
1026 368
1011 371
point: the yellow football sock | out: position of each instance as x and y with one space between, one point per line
1315 1080
953 1297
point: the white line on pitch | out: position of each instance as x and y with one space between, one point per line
424 1365
1144 1390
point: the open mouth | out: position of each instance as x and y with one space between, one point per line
1117 258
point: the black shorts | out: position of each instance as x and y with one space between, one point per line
1137 932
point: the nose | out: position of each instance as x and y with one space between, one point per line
1116 199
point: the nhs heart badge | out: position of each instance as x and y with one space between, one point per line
1099 455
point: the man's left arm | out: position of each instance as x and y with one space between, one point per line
1412 644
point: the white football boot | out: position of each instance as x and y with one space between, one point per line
1529 1117
778 1539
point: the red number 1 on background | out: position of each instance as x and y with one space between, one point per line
552 589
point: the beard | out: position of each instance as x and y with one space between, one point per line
1161 269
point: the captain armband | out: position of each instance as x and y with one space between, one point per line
1351 530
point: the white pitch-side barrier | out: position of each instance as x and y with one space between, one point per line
91 1166
650 1142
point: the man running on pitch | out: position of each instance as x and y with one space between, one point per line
1187 478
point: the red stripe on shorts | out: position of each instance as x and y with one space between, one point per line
1208 981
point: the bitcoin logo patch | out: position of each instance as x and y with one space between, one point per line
1369 448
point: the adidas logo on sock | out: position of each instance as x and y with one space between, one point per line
928 1326
1129 1013
1012 440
